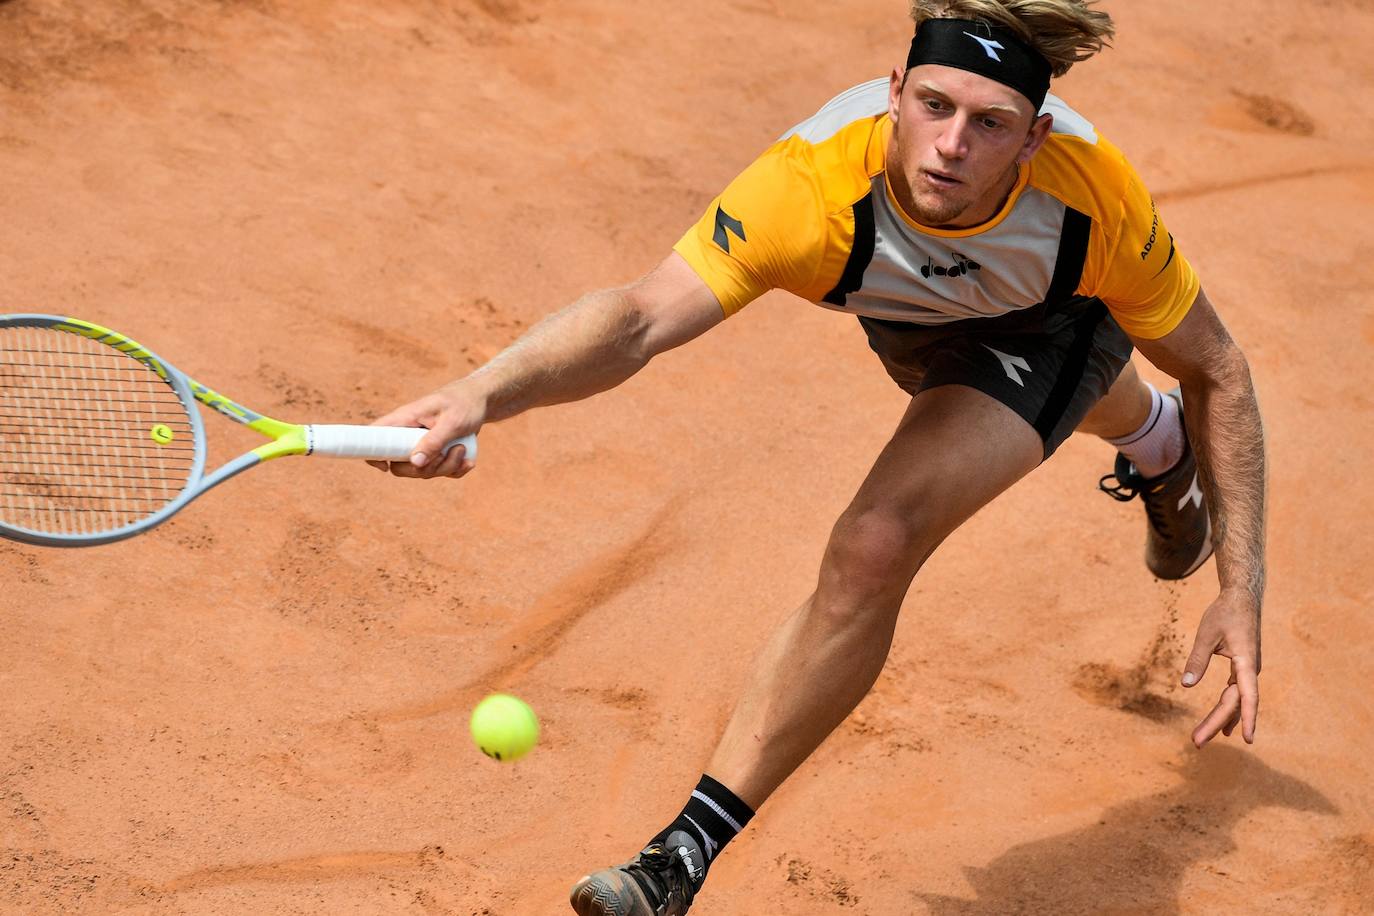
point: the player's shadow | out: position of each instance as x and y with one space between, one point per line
1133 859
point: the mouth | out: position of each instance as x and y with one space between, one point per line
940 179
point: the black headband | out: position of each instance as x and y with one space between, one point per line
989 50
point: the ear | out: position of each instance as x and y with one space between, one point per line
894 92
1039 133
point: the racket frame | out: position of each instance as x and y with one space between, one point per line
287 438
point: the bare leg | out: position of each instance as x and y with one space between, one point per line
954 450
1122 410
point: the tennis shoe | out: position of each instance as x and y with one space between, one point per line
1179 536
657 882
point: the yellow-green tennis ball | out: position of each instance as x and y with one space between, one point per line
504 727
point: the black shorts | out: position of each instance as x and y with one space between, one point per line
1050 365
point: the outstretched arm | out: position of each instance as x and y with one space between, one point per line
1225 431
590 346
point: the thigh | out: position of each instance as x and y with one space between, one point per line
955 449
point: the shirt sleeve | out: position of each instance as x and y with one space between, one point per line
1147 283
765 231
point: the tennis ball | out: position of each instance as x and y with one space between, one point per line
504 727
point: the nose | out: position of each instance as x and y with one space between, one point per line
952 142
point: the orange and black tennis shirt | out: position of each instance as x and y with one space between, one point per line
815 215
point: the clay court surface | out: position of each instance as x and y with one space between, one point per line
327 209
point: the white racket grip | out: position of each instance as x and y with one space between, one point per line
379 443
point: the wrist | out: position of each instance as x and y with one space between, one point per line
474 387
1241 596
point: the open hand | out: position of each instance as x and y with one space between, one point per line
1230 627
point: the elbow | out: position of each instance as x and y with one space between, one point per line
643 330
1225 368
1231 367
1241 370
633 332
634 359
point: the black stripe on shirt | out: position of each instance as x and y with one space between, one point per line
860 253
1073 251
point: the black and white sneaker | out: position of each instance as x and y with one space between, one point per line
657 882
1179 537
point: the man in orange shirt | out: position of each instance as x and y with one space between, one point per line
1003 259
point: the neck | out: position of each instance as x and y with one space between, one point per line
983 211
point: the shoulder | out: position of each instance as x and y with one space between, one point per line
842 147
864 101
1082 168
815 171
787 219
1132 262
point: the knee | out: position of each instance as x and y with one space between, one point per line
873 555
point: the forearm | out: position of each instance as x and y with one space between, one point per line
1228 437
588 347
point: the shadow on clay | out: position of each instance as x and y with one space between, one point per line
1134 858
309 869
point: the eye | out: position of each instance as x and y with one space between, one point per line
992 123
934 104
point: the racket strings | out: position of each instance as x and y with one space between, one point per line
91 439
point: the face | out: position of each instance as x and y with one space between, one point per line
957 140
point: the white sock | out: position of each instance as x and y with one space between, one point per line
1158 445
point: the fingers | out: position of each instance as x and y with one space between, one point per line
424 464
412 414
1247 681
447 415
417 413
463 469
1228 706
430 448
446 465
453 464
1204 644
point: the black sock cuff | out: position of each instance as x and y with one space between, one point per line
729 801
713 817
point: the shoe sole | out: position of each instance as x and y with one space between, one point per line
591 898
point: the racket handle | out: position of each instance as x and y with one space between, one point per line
380 443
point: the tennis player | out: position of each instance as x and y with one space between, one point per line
1003 258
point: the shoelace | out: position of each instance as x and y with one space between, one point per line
1128 488
660 874
1124 490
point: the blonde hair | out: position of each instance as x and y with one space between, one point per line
1063 31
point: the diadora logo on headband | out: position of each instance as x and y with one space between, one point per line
990 46
996 53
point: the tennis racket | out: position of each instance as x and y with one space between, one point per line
101 439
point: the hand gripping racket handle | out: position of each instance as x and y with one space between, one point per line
380 443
